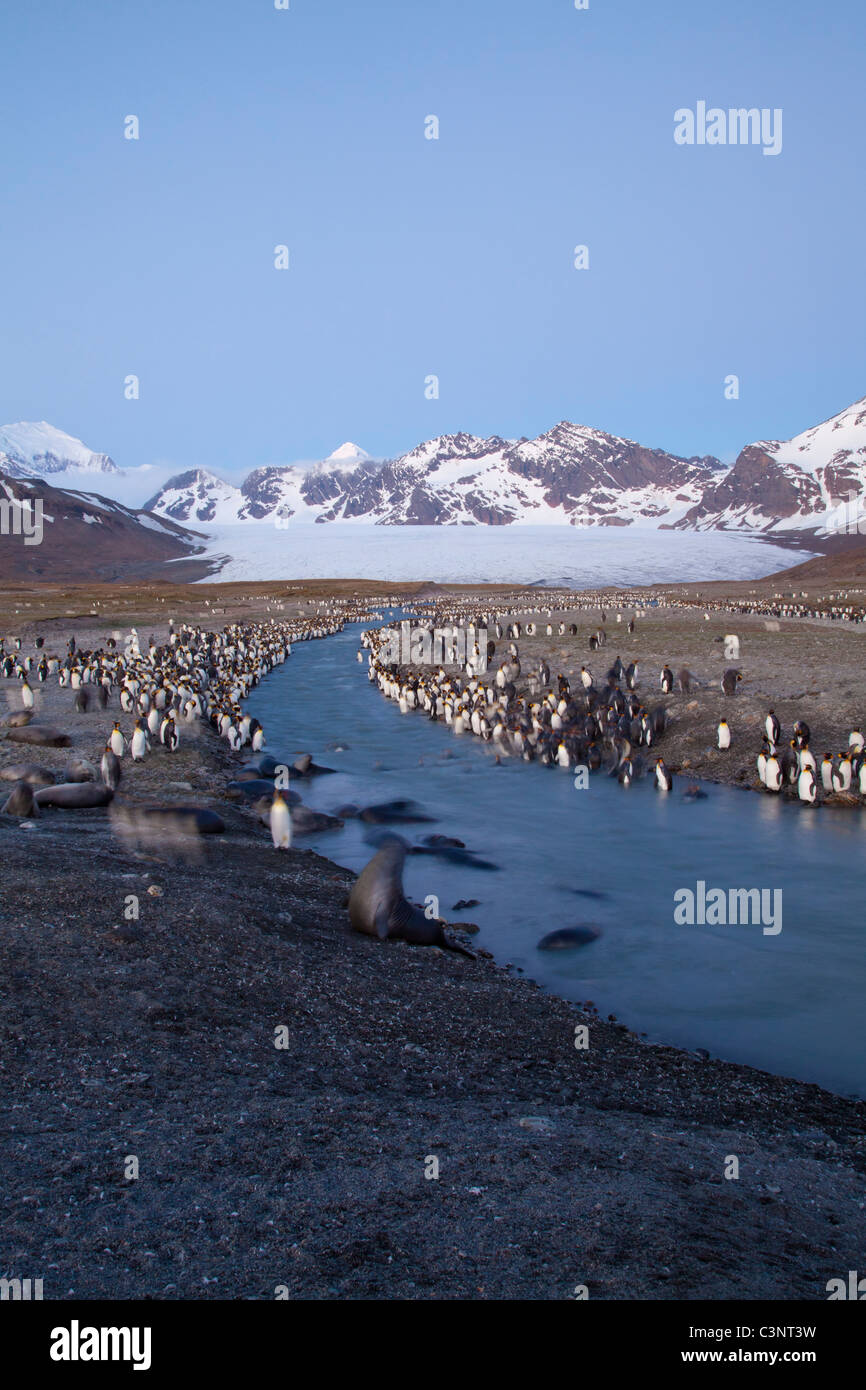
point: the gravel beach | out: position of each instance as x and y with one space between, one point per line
302 1169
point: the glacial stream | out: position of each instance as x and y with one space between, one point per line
790 1002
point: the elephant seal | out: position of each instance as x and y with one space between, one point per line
306 821
694 793
378 908
20 719
456 856
305 767
40 734
81 771
33 773
567 938
74 794
252 788
263 766
399 812
21 802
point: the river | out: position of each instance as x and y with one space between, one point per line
790 1003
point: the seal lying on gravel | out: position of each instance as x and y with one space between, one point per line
305 821
263 766
28 772
41 734
250 789
81 771
377 906
20 719
74 794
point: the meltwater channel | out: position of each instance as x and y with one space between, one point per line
608 856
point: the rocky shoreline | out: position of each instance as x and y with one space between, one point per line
300 1169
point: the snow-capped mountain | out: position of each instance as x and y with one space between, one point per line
36 449
812 482
569 475
197 495
346 456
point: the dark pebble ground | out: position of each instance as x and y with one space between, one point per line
304 1167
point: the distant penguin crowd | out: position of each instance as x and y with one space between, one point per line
195 675
599 726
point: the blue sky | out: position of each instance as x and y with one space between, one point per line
412 257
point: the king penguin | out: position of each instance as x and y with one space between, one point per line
773 728
281 822
664 779
139 742
807 789
110 768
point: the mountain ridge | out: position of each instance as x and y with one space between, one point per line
571 474
806 483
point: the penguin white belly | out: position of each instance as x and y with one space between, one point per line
281 826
